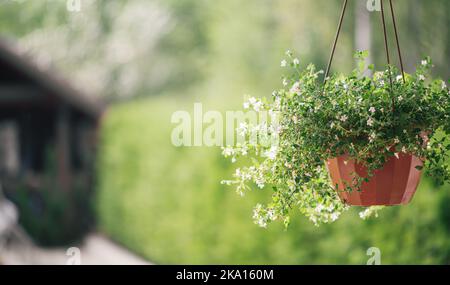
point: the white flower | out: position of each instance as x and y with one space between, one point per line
283 63
396 140
343 118
262 223
443 85
288 53
295 88
364 214
319 208
296 61
334 216
271 214
243 128
370 122
421 77
424 62
227 151
257 106
271 153
382 82
372 110
252 100
260 183
404 149
399 77
372 137
285 82
400 98
246 105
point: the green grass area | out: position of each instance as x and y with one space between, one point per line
167 204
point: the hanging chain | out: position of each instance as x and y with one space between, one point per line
336 38
386 45
397 41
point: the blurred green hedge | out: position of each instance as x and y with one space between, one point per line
167 204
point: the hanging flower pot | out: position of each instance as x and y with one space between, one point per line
394 184
344 140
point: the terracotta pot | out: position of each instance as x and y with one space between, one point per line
394 184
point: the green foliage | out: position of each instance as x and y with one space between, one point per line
368 118
167 204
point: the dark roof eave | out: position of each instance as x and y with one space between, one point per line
53 85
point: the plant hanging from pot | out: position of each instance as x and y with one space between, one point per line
351 140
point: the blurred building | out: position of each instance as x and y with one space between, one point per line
47 132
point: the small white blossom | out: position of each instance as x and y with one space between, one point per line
296 61
260 183
443 85
288 53
283 63
227 151
370 122
400 98
399 77
285 82
262 223
319 208
372 110
364 214
242 129
271 214
424 62
343 118
334 216
272 152
421 77
295 88
257 106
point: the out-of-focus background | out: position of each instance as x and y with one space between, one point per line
86 96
